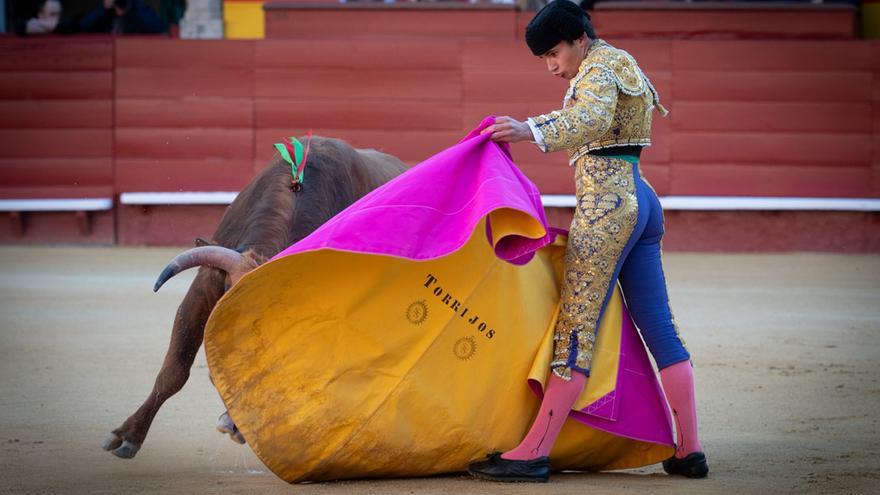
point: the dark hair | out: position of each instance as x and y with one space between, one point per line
559 20
42 3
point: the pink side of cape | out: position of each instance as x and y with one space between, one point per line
431 211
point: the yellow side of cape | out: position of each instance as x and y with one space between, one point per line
343 365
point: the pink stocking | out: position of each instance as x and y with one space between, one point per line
678 383
558 399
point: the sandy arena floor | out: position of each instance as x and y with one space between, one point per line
786 350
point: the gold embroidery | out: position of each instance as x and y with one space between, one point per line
587 113
608 104
604 219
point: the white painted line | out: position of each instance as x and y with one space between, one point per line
558 200
94 204
761 203
742 203
568 201
178 198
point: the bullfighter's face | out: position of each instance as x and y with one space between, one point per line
564 59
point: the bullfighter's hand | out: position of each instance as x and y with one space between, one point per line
508 130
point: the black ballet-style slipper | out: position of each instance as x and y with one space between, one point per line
496 468
693 465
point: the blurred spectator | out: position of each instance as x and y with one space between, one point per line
48 19
172 12
123 17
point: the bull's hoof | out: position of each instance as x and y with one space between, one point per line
111 442
237 437
227 426
120 447
127 450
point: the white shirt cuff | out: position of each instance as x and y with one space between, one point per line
536 134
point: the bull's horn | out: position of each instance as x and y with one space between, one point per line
215 256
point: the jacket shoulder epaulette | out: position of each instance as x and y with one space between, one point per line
621 66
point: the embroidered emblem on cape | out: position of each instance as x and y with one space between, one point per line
465 348
417 312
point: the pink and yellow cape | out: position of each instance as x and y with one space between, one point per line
412 333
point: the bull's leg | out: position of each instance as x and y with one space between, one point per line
186 339
125 441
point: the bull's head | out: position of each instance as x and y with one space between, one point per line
232 262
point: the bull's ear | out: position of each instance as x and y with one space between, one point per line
199 242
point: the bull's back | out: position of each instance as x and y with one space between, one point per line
267 213
386 166
364 169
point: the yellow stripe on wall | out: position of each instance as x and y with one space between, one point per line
244 20
871 19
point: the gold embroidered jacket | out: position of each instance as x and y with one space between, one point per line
608 103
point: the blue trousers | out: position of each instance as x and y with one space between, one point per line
615 235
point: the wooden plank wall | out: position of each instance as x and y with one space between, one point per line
286 19
737 20
184 122
875 94
185 119
56 131
104 116
772 119
403 99
400 22
56 117
748 118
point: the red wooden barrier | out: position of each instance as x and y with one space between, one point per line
167 225
59 172
184 122
286 19
748 118
57 54
55 114
875 98
747 20
182 113
179 174
396 21
56 135
345 54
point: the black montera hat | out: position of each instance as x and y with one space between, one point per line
559 20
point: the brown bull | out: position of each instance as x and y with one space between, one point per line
266 217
